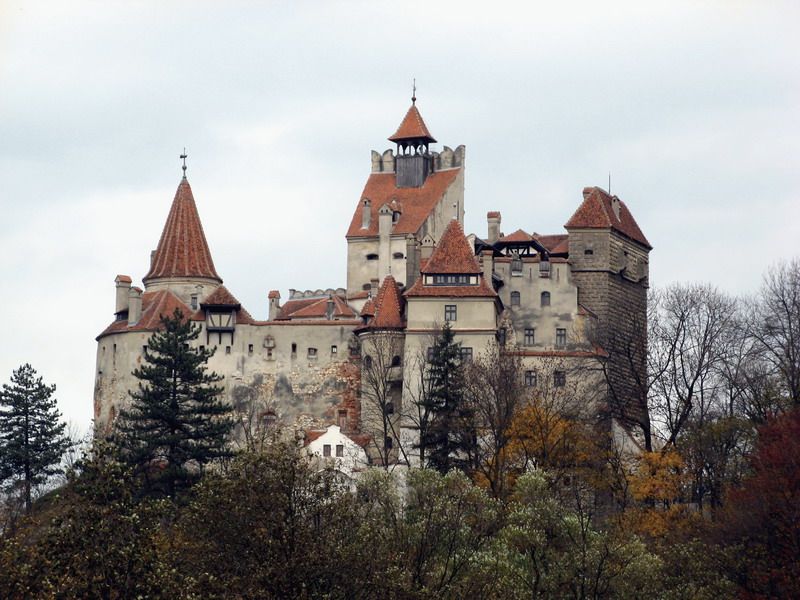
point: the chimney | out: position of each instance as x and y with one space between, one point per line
487 262
123 286
366 214
274 304
384 221
329 307
427 247
412 261
374 283
615 206
134 305
493 221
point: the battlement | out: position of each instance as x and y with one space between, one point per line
299 295
446 159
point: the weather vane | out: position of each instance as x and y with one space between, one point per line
414 91
183 157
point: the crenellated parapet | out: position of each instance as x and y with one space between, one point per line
446 159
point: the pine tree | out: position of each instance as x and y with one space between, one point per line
32 439
447 438
177 423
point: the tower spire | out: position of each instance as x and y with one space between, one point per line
183 157
414 91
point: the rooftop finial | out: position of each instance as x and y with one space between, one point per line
183 157
414 91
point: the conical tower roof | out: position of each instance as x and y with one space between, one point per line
182 250
413 128
388 307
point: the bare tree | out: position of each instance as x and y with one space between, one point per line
690 344
495 391
775 324
381 395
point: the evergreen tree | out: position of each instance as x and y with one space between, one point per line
177 422
449 435
32 439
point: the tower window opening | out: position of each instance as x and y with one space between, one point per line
372 256
398 255
515 298
559 378
545 299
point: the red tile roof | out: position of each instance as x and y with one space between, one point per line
412 128
368 310
182 250
453 253
418 203
388 307
154 305
596 212
518 236
555 243
221 297
123 279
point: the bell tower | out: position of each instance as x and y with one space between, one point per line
414 161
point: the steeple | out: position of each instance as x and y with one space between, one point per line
414 162
182 254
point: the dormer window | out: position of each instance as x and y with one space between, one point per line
395 216
451 279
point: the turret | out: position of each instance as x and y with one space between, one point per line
414 161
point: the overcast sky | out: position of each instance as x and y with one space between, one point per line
694 108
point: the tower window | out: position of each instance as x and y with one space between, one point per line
368 361
561 337
545 298
194 301
249 348
450 312
544 268
334 349
312 353
395 361
294 350
389 410
398 255
530 337
516 265
515 298
372 256
227 349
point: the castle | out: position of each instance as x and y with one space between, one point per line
350 358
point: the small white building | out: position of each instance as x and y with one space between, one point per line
333 447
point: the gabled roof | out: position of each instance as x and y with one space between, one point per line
412 127
368 310
518 236
221 297
388 307
555 243
597 212
182 250
417 202
453 253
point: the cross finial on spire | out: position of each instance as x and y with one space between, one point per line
183 157
414 91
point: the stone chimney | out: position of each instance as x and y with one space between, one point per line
123 283
374 284
427 247
615 206
412 261
366 213
493 222
330 306
274 304
487 263
134 305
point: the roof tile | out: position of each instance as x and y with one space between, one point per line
596 212
182 250
412 127
453 253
